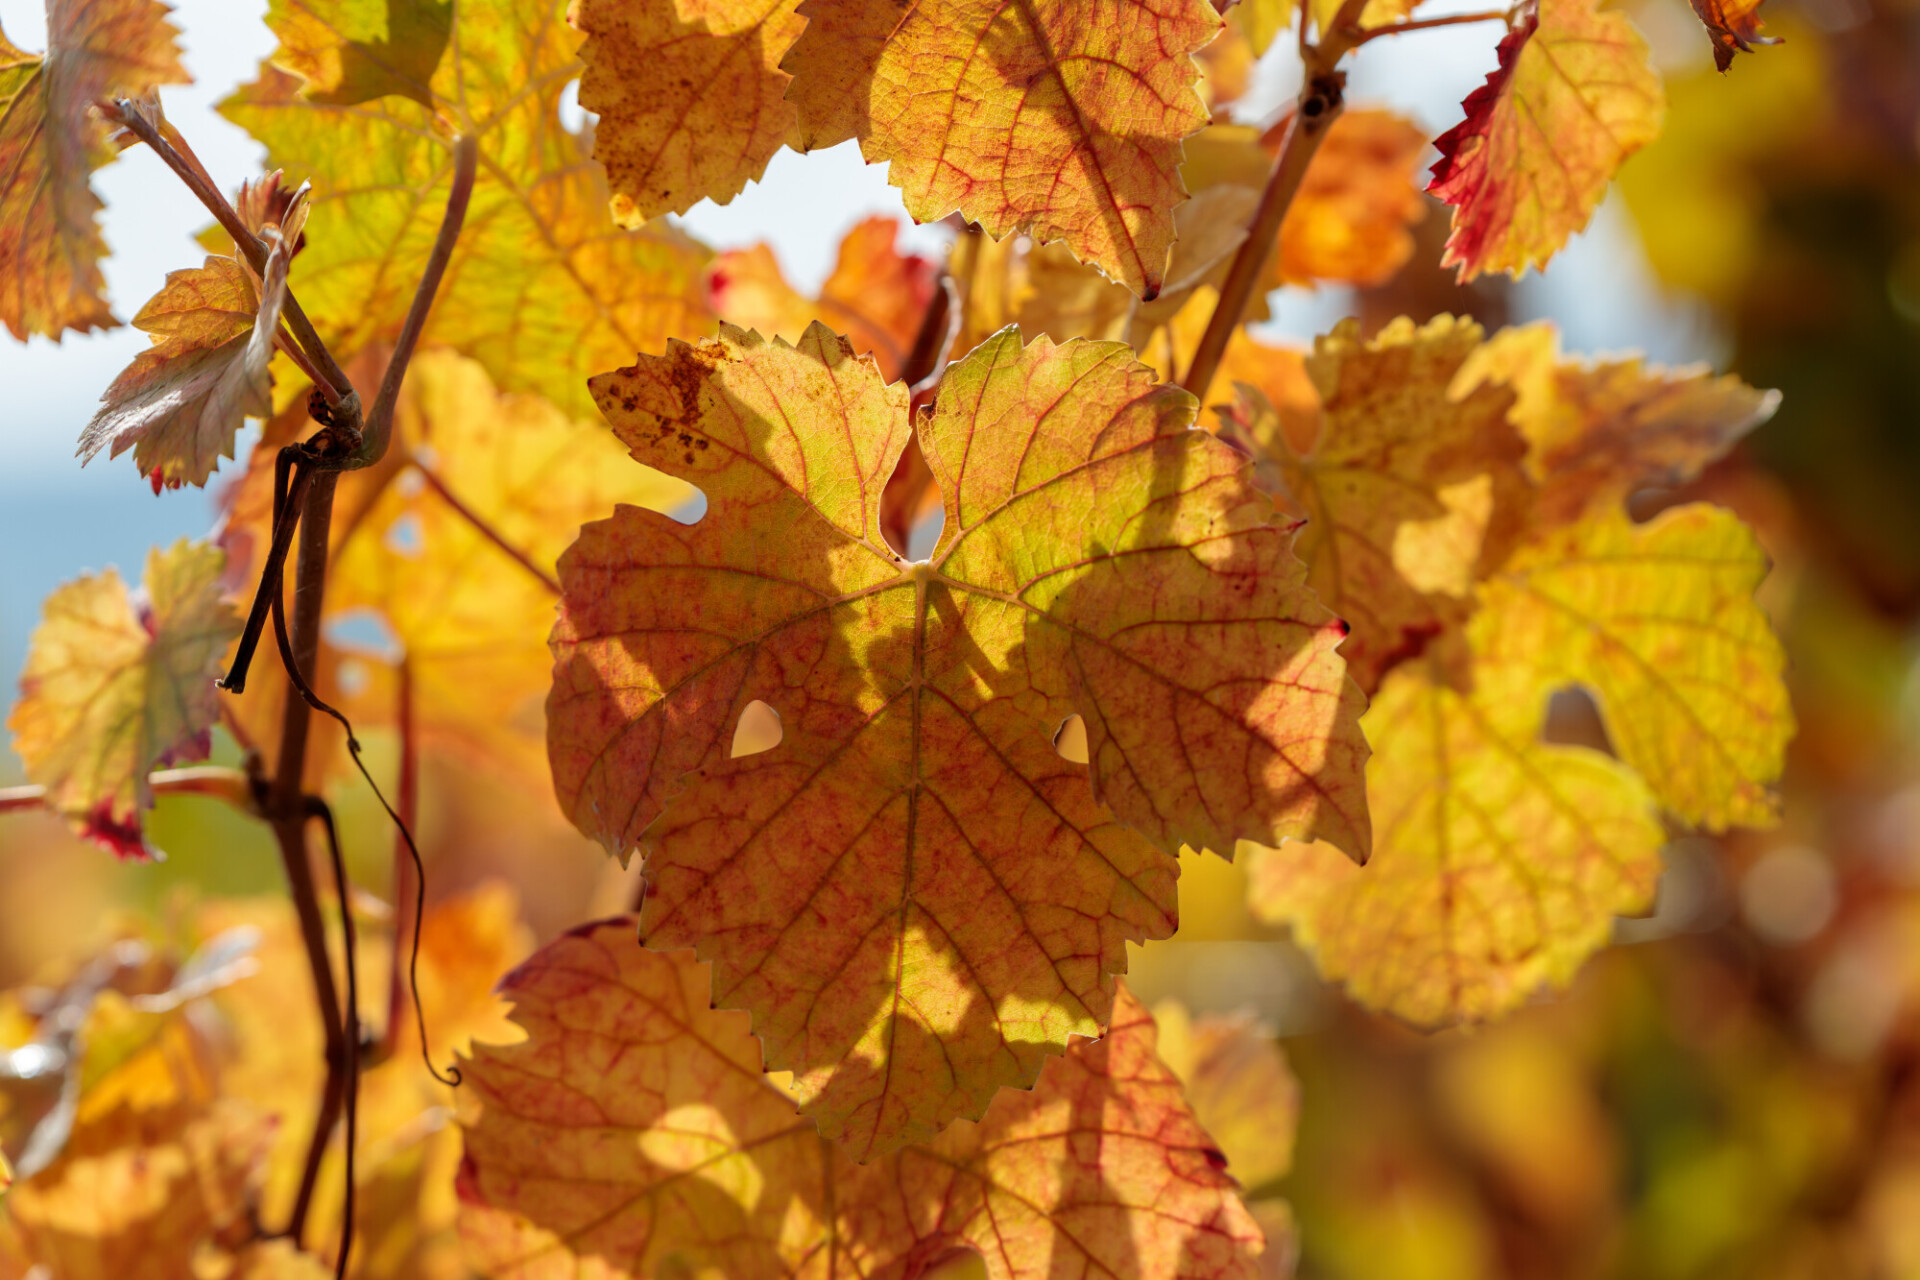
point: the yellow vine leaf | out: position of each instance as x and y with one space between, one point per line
116 685
951 896
539 289
354 51
1263 21
1599 431
467 614
1499 861
50 142
142 1193
181 402
1572 98
1017 115
876 295
1238 1083
1660 622
1402 486
633 1134
690 96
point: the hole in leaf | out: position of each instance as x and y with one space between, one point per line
959 1264
405 536
759 730
910 505
574 118
364 631
1573 720
1070 739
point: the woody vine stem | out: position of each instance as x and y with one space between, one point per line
1320 103
344 443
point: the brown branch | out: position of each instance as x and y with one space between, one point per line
334 383
485 530
379 422
213 781
286 804
1322 99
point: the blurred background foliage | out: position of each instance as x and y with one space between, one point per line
1731 1091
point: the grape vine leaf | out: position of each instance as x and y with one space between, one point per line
950 897
690 96
116 685
1573 97
349 53
1019 116
633 1133
1402 487
50 141
1733 26
1598 432
1238 1083
1499 864
451 543
876 295
181 402
539 289
1659 620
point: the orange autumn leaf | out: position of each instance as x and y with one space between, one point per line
1599 431
1572 98
181 402
634 1134
539 289
876 295
1062 117
1401 487
915 893
50 141
1352 219
1733 26
690 96
1499 862
116 685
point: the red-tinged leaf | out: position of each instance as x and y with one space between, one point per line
50 141
915 892
1059 117
115 686
1572 98
1733 26
633 1134
181 402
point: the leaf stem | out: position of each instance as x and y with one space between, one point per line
378 430
333 382
1426 24
1322 99
485 530
215 781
